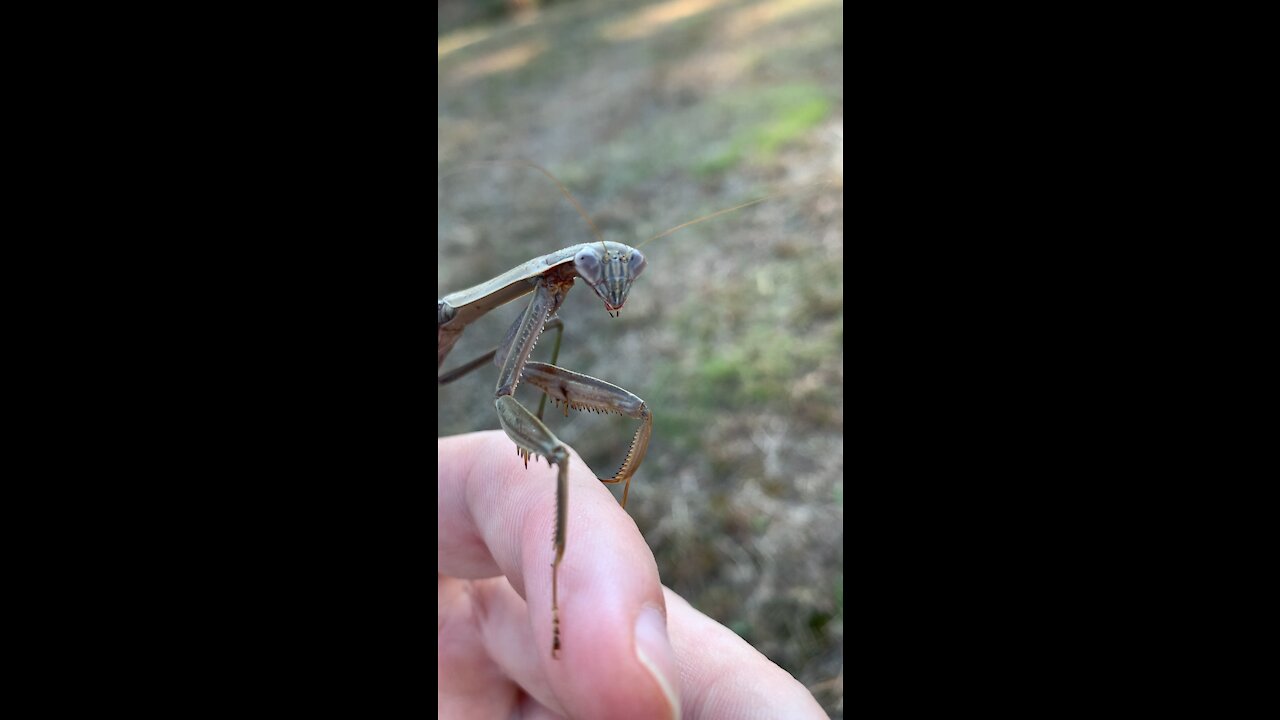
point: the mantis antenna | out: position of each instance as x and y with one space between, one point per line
595 232
748 203
563 190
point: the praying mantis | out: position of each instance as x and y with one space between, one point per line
609 269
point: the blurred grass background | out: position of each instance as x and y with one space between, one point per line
653 114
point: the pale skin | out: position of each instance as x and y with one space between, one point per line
630 647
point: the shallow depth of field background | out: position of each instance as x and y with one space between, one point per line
652 114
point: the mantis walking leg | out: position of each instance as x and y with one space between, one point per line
465 368
558 325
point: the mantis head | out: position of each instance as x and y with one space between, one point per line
610 271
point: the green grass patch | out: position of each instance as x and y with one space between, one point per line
763 122
749 344
751 125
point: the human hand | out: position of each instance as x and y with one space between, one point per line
630 648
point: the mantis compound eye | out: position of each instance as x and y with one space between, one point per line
588 266
636 263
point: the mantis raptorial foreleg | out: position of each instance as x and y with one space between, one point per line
576 390
531 436
527 431
554 323
478 362
583 392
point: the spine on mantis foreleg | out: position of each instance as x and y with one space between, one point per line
562 519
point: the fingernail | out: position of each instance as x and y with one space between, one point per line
653 648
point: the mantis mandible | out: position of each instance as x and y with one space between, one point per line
609 269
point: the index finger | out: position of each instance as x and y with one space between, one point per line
497 518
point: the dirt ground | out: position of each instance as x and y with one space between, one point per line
653 114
